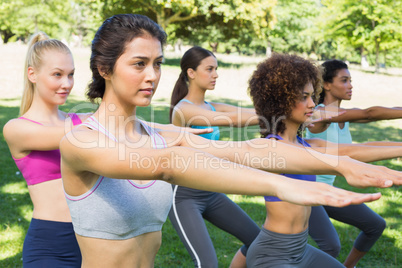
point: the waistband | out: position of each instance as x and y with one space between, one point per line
56 225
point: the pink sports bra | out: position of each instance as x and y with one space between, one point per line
42 166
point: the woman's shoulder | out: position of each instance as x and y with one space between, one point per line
11 127
19 125
81 138
84 116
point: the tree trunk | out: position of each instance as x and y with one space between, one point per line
363 63
377 51
177 46
268 50
214 46
6 35
238 50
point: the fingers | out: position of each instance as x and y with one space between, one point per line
375 176
372 182
198 131
337 197
364 198
317 193
351 198
385 177
394 176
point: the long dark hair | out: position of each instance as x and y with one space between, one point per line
331 69
191 59
110 42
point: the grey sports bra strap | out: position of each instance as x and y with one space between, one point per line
93 123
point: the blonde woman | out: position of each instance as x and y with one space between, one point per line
33 140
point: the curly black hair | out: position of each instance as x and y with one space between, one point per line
276 86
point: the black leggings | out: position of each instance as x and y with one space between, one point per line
275 250
191 207
361 216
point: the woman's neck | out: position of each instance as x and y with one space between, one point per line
290 133
44 111
196 95
118 119
330 100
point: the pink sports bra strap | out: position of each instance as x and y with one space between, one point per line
75 119
21 117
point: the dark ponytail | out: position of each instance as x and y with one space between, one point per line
180 90
191 59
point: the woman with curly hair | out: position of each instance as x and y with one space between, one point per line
282 89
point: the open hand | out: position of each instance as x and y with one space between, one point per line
362 175
317 193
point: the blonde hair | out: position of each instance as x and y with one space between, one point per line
38 45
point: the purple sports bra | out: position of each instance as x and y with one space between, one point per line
42 166
292 176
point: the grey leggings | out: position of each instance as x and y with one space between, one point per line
191 207
361 216
276 250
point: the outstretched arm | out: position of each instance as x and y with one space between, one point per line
171 127
23 135
280 157
187 167
186 114
370 114
365 152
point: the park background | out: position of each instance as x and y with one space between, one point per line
366 34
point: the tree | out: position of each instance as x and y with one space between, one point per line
370 26
25 17
291 32
214 20
87 17
8 11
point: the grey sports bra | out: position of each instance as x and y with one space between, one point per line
121 209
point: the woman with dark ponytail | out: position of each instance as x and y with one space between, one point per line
190 60
190 207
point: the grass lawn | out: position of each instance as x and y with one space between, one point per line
16 207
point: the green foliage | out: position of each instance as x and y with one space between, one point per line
369 26
344 29
233 23
292 33
86 17
24 17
